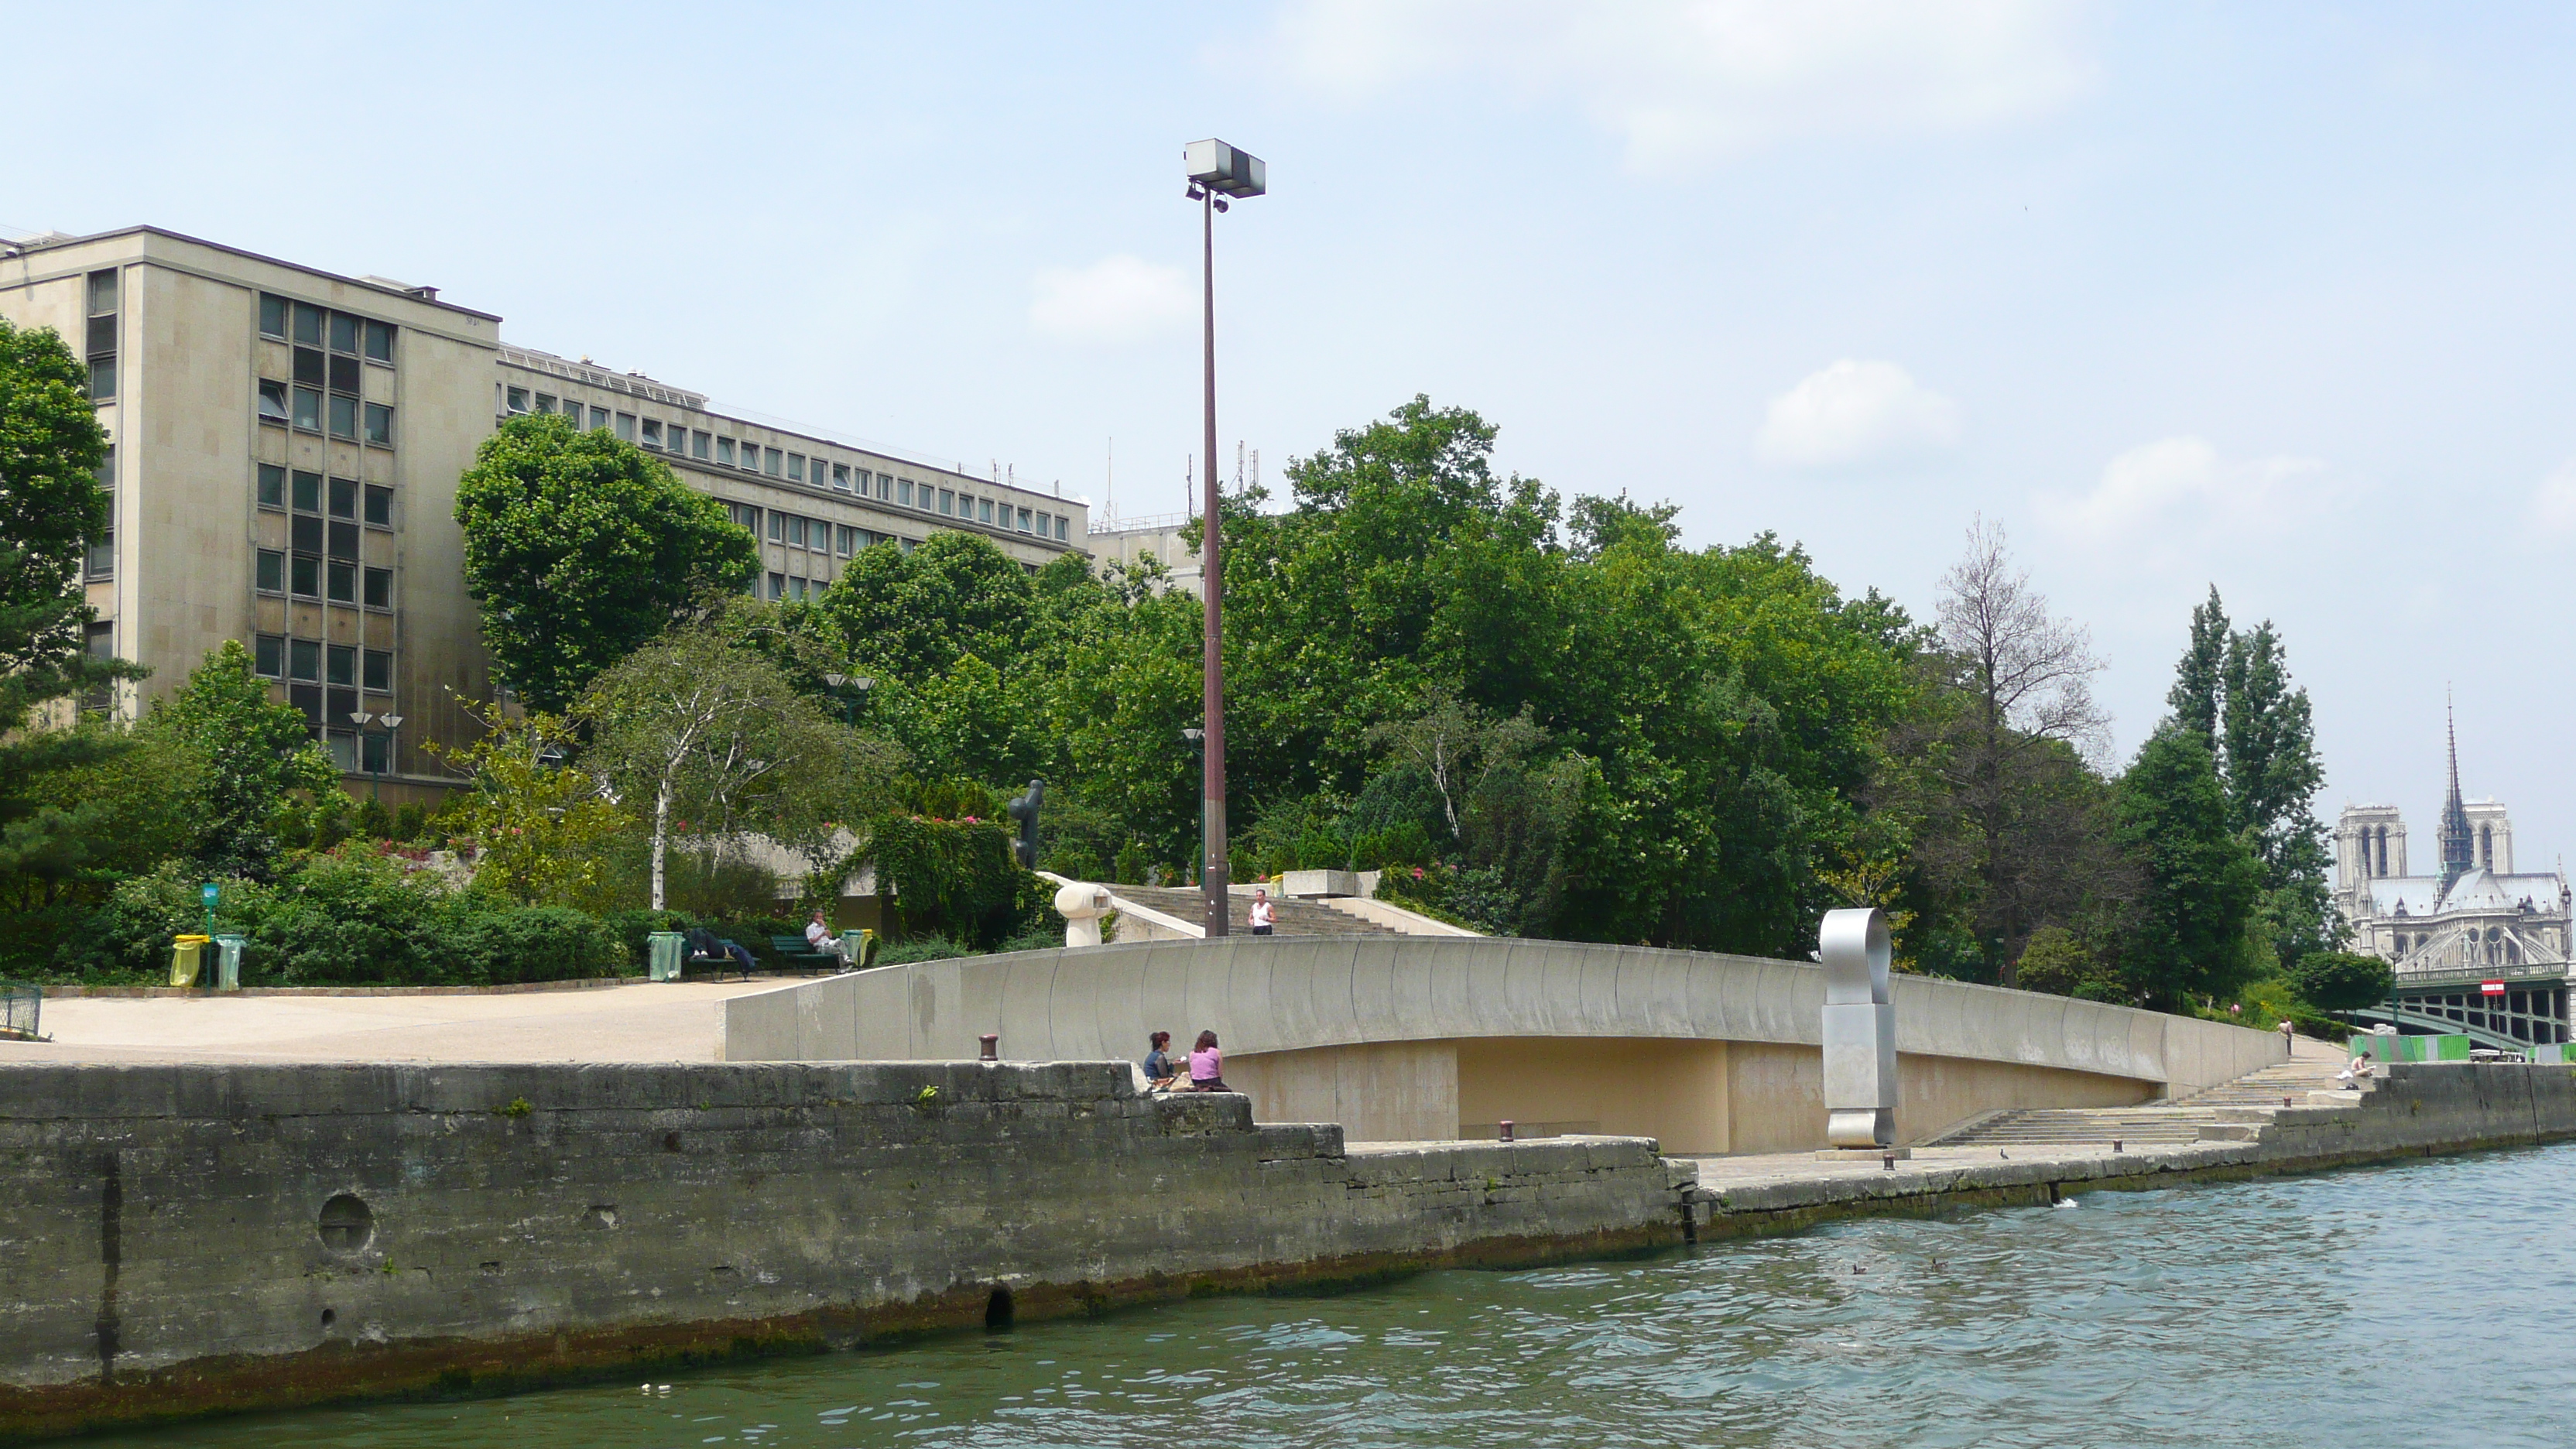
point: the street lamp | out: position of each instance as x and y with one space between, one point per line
851 688
1216 171
372 727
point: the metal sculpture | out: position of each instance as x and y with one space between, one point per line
1860 1031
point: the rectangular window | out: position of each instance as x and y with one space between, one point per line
778 586
546 402
778 528
272 315
344 374
516 400
311 366
652 434
380 425
745 515
341 665
845 539
769 461
796 467
102 336
626 426
380 670
272 486
308 324
344 582
344 540
841 477
344 332
304 659
308 410
380 588
102 292
1023 525
698 446
1042 526
268 651
304 575
272 571
947 501
724 451
598 419
344 746
380 342
380 506
308 492
344 498
102 379
344 416
305 534
100 639
903 493
1060 527
272 402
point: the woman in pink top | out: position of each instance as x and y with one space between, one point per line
1207 1065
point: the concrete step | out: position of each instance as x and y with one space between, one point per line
1296 918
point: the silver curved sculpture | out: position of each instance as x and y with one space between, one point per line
1860 1031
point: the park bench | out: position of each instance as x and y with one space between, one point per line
795 952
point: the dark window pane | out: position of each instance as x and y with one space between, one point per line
308 409
344 332
305 533
269 653
305 574
102 292
344 416
344 582
308 698
102 335
272 402
308 323
308 493
341 664
380 506
344 374
272 314
306 658
380 424
380 670
380 588
373 754
380 341
344 498
272 486
310 368
344 540
102 378
272 571
344 703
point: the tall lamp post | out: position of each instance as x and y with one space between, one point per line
1216 171
851 688
377 726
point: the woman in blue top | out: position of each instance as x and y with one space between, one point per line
1158 1061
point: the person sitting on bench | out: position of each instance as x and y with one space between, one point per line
706 945
819 937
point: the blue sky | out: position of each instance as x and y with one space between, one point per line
2276 298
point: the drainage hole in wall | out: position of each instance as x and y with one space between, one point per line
600 1215
347 1225
997 1309
329 1318
670 1141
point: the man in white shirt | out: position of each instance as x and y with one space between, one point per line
819 937
1264 914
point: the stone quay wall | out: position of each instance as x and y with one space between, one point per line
190 1239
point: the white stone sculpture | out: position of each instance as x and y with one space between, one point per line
1082 905
1860 1031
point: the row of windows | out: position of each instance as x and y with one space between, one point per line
281 489
313 326
305 409
725 452
304 576
101 562
101 348
311 661
815 534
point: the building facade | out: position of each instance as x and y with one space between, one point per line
2475 922
285 449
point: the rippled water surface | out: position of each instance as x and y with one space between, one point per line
2417 1304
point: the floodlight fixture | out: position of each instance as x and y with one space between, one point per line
1224 170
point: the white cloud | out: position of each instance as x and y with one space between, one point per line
1854 413
1681 80
1116 299
2180 491
2553 503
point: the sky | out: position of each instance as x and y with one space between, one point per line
2275 299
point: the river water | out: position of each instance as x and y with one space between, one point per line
2423 1303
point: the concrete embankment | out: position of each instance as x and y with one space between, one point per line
2413 1110
187 1239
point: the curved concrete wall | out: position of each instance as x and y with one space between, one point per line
1300 1016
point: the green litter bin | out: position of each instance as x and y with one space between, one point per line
183 959
228 949
664 954
859 948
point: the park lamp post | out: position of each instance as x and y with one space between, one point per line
851 688
1216 171
376 726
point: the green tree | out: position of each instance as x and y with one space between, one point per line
252 753
2200 686
2342 980
2202 881
545 829
582 548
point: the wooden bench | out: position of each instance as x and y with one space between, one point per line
795 952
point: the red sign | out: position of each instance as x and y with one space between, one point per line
2492 988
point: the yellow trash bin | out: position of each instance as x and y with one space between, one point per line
183 959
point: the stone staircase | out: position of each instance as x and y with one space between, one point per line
2229 1112
1296 918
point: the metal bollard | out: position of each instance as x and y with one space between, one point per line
1504 1131
992 1046
1887 1164
2115 1144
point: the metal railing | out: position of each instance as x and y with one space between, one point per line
21 1006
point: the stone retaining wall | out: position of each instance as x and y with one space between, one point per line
184 1239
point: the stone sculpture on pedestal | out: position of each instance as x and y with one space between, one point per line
1860 1032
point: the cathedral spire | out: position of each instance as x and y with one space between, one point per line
2457 846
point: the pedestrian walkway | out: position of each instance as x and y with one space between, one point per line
2214 1114
1296 917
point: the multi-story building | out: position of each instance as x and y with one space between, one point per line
285 449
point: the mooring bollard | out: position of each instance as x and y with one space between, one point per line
1887 1164
1503 1131
992 1046
2115 1144
2285 1101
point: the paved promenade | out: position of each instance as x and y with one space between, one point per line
643 1022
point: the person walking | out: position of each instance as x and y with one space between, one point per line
1207 1065
2287 1031
1264 915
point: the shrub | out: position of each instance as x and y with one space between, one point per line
922 948
483 944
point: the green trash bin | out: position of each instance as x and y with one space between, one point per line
228 949
664 952
183 959
859 948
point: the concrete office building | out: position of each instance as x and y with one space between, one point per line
286 444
